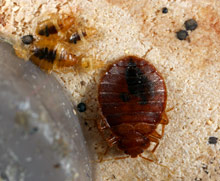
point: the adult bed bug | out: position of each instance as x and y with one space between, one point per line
132 97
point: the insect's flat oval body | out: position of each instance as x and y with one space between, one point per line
132 98
132 91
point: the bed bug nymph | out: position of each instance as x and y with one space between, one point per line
132 97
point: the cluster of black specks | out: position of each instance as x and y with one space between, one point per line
45 53
213 140
164 10
27 39
81 107
137 82
48 30
191 25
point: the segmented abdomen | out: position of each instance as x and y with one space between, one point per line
132 91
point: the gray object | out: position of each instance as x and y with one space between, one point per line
40 137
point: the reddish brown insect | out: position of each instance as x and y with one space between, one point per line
132 98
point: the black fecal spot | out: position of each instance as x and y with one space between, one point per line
190 24
213 140
45 53
137 82
164 10
124 97
182 34
81 107
27 39
48 30
74 38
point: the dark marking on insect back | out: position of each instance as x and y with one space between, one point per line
137 82
45 53
124 97
48 30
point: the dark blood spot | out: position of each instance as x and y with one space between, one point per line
182 34
74 38
27 39
81 107
190 24
86 124
164 10
213 140
137 82
124 97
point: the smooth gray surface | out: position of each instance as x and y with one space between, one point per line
40 137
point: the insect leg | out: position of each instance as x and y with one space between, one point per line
156 134
155 140
157 163
106 151
103 125
164 119
146 158
117 158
